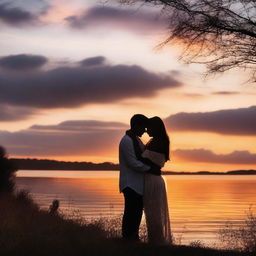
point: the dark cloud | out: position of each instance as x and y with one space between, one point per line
81 125
38 6
12 113
22 61
76 86
207 156
240 121
95 138
225 93
15 16
88 137
93 61
132 19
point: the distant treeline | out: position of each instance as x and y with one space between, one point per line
237 172
45 164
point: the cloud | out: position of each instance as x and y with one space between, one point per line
93 61
81 125
77 137
22 62
12 113
15 16
69 87
225 93
207 156
96 138
239 121
131 19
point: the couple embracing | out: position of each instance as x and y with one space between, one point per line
141 182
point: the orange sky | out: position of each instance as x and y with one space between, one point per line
65 34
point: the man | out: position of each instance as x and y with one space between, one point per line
131 179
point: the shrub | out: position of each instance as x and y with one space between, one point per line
242 238
7 173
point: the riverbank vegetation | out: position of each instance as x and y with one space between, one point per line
25 229
240 237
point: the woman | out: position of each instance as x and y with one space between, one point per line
155 198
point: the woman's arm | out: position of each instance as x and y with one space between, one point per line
154 157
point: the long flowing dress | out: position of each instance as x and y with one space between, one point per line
156 204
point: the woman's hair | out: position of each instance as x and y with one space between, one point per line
160 135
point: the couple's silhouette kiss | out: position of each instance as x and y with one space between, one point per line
141 182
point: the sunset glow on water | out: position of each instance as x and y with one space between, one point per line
199 205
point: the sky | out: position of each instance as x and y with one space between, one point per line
72 73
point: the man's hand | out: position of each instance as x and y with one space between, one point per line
155 170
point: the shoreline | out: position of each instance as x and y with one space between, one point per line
31 164
42 233
238 172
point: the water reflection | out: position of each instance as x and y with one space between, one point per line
199 205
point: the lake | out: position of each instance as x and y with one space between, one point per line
199 205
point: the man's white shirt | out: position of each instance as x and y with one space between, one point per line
132 170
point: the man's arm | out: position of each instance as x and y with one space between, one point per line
128 152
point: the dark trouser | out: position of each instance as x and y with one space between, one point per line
132 214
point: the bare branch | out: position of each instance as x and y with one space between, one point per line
218 33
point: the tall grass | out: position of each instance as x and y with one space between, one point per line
27 230
112 226
241 238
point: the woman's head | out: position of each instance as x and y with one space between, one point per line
156 129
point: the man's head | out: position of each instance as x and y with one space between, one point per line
138 124
2 152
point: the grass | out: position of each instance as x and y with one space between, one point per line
25 229
240 238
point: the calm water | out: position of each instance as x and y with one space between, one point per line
199 205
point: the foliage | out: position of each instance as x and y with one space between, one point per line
25 229
7 173
242 238
218 33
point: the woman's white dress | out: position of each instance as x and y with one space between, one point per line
156 204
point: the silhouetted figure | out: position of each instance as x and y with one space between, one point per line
7 173
53 209
132 171
155 196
